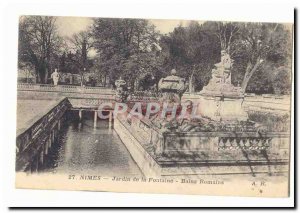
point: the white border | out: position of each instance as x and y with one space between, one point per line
234 10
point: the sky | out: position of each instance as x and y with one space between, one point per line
67 26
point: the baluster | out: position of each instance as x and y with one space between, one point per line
234 144
227 143
242 144
267 143
221 144
260 144
238 143
250 143
247 143
255 144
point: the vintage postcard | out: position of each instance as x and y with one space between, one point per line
154 106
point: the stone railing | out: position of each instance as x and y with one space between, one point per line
144 96
64 88
30 140
244 143
189 142
216 142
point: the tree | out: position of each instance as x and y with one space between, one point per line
282 80
225 32
81 43
255 48
124 47
262 44
38 43
27 70
192 51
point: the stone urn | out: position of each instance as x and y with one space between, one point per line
121 90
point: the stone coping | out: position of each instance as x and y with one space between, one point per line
228 134
40 115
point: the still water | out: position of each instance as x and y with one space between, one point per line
83 149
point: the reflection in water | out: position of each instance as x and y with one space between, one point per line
85 150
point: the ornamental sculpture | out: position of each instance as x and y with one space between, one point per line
172 87
121 90
220 83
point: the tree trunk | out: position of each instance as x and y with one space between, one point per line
47 67
42 72
37 74
42 77
46 76
249 72
81 79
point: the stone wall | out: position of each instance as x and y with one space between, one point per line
34 141
204 152
264 103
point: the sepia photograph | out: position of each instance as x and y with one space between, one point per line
154 105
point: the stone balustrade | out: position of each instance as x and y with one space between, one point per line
64 88
224 141
165 153
181 143
244 143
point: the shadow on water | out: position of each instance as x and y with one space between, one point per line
83 149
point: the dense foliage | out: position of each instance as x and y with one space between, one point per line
134 50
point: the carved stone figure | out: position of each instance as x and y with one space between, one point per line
220 99
220 83
55 77
121 90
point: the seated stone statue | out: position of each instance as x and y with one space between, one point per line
221 76
223 68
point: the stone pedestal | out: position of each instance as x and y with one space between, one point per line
121 90
222 107
220 100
